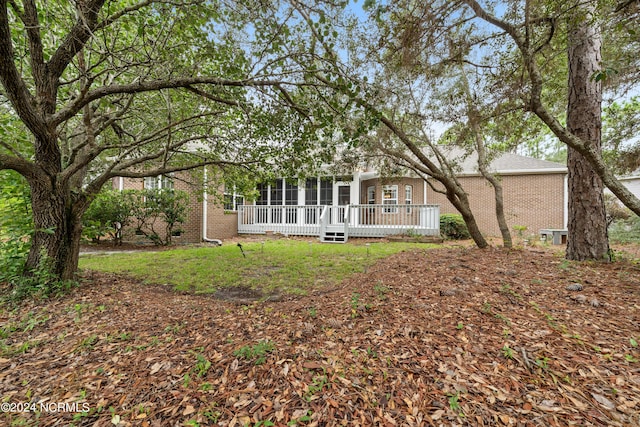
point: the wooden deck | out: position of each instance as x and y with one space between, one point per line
340 221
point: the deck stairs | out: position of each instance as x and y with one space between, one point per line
333 235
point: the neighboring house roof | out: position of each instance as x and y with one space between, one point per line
513 164
632 176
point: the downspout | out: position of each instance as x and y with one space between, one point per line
566 201
216 242
424 191
121 184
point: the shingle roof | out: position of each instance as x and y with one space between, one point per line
510 163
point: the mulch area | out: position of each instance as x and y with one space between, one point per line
453 336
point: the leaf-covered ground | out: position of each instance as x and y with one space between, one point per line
453 336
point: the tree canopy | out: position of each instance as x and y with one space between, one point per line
96 89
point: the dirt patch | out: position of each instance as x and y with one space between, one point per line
108 246
244 295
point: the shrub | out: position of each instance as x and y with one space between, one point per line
109 209
453 227
625 230
39 283
16 226
153 209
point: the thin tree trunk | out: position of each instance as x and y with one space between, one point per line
495 183
587 227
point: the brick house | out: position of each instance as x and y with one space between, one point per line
535 194
363 204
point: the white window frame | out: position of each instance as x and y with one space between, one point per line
234 198
371 195
408 196
160 182
391 190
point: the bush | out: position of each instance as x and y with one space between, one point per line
107 215
625 230
453 227
16 226
40 283
153 209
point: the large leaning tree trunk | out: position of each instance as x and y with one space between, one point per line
587 227
415 159
57 217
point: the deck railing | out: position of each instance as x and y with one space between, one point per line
357 220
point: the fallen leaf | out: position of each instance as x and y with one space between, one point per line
155 368
603 401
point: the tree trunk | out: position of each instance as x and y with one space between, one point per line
460 201
507 242
55 245
495 183
587 227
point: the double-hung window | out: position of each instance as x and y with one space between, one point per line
408 196
160 182
390 197
231 199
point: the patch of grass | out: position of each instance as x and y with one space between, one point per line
454 403
257 352
202 365
285 266
26 324
319 382
507 351
16 349
381 291
88 343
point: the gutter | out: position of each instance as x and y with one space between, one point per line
518 172
566 202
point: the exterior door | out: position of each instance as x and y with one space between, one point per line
344 195
344 198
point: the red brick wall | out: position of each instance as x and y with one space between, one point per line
192 227
534 201
379 183
221 224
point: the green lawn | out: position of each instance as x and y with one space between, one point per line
286 266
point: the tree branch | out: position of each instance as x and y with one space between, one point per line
15 89
625 4
133 8
24 167
76 38
139 87
32 26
